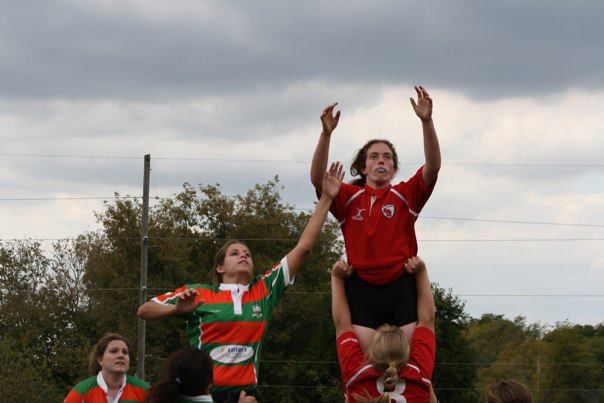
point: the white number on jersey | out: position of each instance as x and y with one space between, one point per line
397 393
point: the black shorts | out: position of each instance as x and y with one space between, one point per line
233 397
374 305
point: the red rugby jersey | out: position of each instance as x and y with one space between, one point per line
360 378
379 226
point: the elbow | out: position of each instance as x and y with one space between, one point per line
142 311
427 316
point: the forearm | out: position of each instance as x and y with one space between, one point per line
431 152
309 235
426 309
315 224
152 310
339 306
319 161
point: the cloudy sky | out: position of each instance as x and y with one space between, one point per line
518 91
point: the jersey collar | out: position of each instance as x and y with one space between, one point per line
103 385
234 287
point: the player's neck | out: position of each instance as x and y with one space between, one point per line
377 184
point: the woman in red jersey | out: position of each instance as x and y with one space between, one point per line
394 369
229 321
377 219
109 362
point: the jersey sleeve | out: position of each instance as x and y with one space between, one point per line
171 297
277 280
73 397
416 191
423 351
350 355
338 205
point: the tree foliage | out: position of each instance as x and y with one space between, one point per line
56 301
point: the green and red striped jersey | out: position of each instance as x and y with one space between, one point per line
94 390
231 324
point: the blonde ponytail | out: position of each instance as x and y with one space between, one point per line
388 352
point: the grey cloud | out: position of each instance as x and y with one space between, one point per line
484 48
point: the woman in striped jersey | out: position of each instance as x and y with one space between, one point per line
109 362
229 321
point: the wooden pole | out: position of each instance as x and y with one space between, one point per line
142 294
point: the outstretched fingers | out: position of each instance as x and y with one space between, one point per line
336 170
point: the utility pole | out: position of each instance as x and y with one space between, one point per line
142 294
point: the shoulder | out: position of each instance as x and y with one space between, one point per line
200 286
423 333
86 385
134 381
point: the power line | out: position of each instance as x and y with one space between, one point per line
488 164
512 221
70 198
437 388
289 292
462 240
513 364
490 220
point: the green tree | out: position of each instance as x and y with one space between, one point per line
573 369
453 378
505 349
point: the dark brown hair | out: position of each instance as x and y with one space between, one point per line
187 372
99 349
358 163
221 254
509 391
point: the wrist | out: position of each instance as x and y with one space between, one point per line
326 133
426 121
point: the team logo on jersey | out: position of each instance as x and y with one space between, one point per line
256 312
388 210
359 215
232 353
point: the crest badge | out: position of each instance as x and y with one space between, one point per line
256 313
388 210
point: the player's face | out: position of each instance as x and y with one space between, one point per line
116 358
238 263
379 165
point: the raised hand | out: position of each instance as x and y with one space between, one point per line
341 269
186 302
329 121
423 107
333 179
415 265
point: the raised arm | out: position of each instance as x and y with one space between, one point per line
185 303
321 155
426 309
332 180
423 109
340 311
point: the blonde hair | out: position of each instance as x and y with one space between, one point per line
388 352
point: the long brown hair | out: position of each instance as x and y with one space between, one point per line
388 353
509 391
99 350
358 162
221 255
